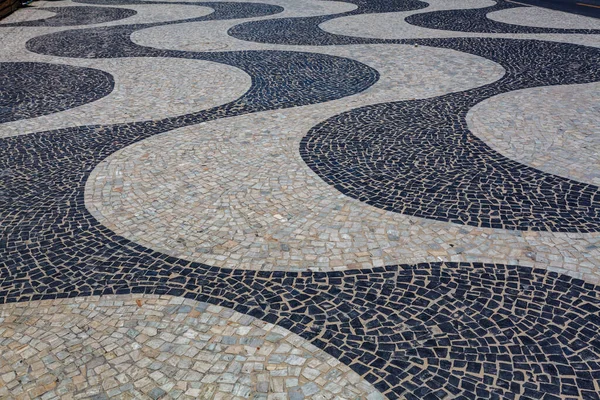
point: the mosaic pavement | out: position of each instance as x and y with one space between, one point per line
299 199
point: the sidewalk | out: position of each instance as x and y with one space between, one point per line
299 199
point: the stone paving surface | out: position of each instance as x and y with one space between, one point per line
543 18
528 128
299 199
234 192
155 347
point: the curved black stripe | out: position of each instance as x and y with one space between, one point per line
419 158
305 30
76 15
32 89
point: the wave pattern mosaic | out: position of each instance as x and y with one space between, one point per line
277 199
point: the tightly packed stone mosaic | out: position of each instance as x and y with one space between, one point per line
299 199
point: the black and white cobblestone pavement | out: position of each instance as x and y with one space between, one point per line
299 199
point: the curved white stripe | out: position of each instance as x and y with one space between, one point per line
212 35
133 346
555 129
146 89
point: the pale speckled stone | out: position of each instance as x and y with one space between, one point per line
80 350
555 129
